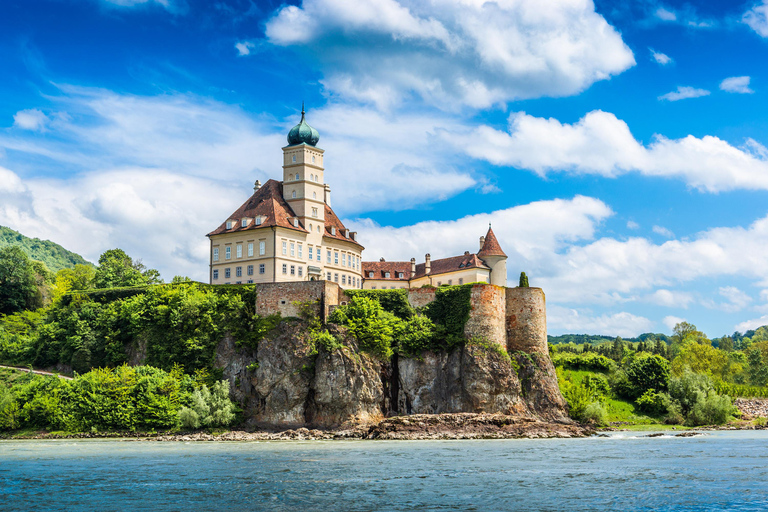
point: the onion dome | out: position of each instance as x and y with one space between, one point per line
302 133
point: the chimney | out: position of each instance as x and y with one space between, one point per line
482 242
428 264
413 268
256 186
327 194
382 259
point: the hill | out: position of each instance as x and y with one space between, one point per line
53 255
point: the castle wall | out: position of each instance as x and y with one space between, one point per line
487 316
420 297
280 298
526 320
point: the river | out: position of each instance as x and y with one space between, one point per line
722 470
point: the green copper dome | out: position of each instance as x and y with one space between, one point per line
302 133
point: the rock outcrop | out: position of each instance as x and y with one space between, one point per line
288 382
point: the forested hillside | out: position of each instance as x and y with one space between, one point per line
53 255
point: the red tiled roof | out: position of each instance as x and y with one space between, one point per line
332 221
266 202
441 266
491 246
380 268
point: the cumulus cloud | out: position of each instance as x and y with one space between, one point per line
244 47
660 58
31 119
172 6
632 225
751 324
196 136
737 84
601 144
568 320
757 18
453 53
671 321
671 298
684 93
736 300
661 230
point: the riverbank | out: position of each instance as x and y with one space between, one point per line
414 427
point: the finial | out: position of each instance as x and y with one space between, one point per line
256 185
489 225
302 108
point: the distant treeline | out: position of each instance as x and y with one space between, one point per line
597 339
53 255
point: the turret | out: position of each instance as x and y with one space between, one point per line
494 257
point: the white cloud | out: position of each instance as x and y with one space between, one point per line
172 6
632 225
665 14
660 230
670 298
684 93
601 144
671 321
660 58
748 325
737 300
568 320
737 84
453 53
31 119
244 47
757 18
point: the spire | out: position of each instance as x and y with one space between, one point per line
491 245
302 133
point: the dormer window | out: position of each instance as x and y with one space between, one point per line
230 224
244 223
386 275
333 231
295 223
399 275
354 236
370 274
346 233
257 220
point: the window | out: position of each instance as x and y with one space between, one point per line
318 249
215 274
285 268
227 273
373 287
461 280
300 251
370 274
311 177
294 159
317 178
215 254
250 281
313 158
314 214
295 223
262 268
238 282
243 223
250 270
257 221
262 248
293 270
239 271
399 275
314 195
386 274
329 256
301 270
329 276
239 249
343 279
309 251
293 249
250 249
343 259
293 194
298 177
229 224
285 248
336 258
439 283
336 277
318 229
228 253
450 282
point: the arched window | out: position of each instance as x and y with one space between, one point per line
318 229
294 159
317 178
297 177
313 159
311 177
314 195
293 194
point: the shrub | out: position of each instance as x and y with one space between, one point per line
415 336
595 414
208 408
580 395
695 399
712 409
368 323
585 361
327 341
646 371
523 280
653 403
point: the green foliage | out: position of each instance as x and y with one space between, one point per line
450 312
369 324
18 285
117 269
208 408
592 389
595 414
653 403
53 255
696 400
416 335
523 280
327 341
646 372
393 301
585 361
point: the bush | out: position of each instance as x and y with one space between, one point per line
645 372
208 408
415 336
713 409
653 403
585 361
581 395
368 323
695 399
595 414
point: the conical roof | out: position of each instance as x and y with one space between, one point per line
302 133
491 245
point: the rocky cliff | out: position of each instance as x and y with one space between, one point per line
289 382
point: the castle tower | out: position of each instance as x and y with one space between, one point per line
494 257
304 187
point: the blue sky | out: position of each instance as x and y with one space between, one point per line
618 148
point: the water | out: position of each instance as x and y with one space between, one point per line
719 471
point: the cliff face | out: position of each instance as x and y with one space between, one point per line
287 382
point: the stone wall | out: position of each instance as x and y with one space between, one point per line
486 318
420 297
526 320
280 298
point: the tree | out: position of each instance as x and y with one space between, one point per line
646 372
18 286
117 269
704 359
523 280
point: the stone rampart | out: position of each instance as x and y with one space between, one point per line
420 297
486 318
526 320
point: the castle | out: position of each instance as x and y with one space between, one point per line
287 231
